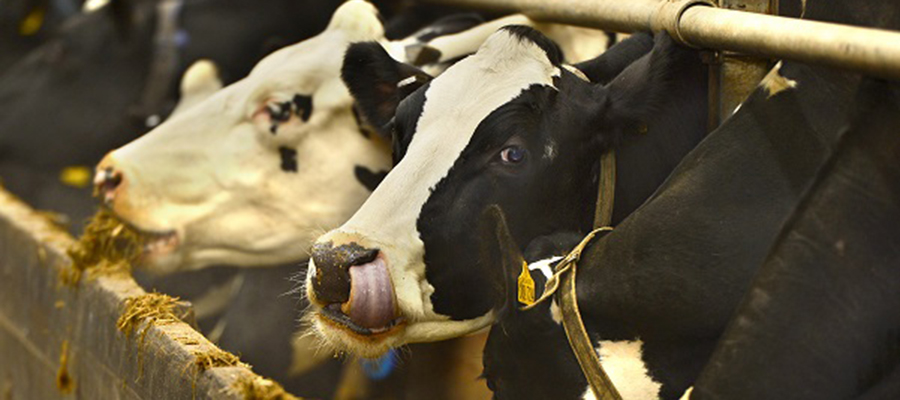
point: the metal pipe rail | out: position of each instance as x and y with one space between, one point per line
698 23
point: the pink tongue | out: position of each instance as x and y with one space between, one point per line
371 294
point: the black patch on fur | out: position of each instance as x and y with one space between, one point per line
367 178
447 26
420 54
288 159
279 113
554 54
302 106
402 127
364 129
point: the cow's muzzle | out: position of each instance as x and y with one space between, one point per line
352 285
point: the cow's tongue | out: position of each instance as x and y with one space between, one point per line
371 294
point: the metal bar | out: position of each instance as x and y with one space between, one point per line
873 52
631 16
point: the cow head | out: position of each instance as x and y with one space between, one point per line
509 126
251 174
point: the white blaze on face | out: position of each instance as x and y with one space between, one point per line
212 173
455 104
623 363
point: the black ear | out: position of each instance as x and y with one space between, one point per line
501 254
378 82
610 64
642 88
124 15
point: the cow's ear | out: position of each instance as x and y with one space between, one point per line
358 19
199 82
610 64
502 257
633 96
378 82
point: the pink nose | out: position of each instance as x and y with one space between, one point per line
107 180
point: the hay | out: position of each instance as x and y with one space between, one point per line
215 358
153 308
64 381
258 388
107 247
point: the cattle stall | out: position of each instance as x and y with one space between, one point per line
65 338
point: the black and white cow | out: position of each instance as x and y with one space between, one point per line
658 291
510 125
821 319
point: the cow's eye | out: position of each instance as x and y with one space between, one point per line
278 112
512 154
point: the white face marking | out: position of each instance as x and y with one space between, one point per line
623 362
775 83
212 172
544 267
550 150
455 103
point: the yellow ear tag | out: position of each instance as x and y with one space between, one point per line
526 286
32 22
76 176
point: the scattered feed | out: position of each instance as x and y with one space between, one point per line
107 247
64 381
259 388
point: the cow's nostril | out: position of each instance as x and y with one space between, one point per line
105 183
331 282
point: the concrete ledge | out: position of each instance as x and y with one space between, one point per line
61 341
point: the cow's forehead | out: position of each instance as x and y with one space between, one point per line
316 58
455 103
469 91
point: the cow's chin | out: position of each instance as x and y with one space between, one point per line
162 252
343 337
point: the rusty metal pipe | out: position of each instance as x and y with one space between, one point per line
696 23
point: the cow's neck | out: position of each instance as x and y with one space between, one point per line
645 159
